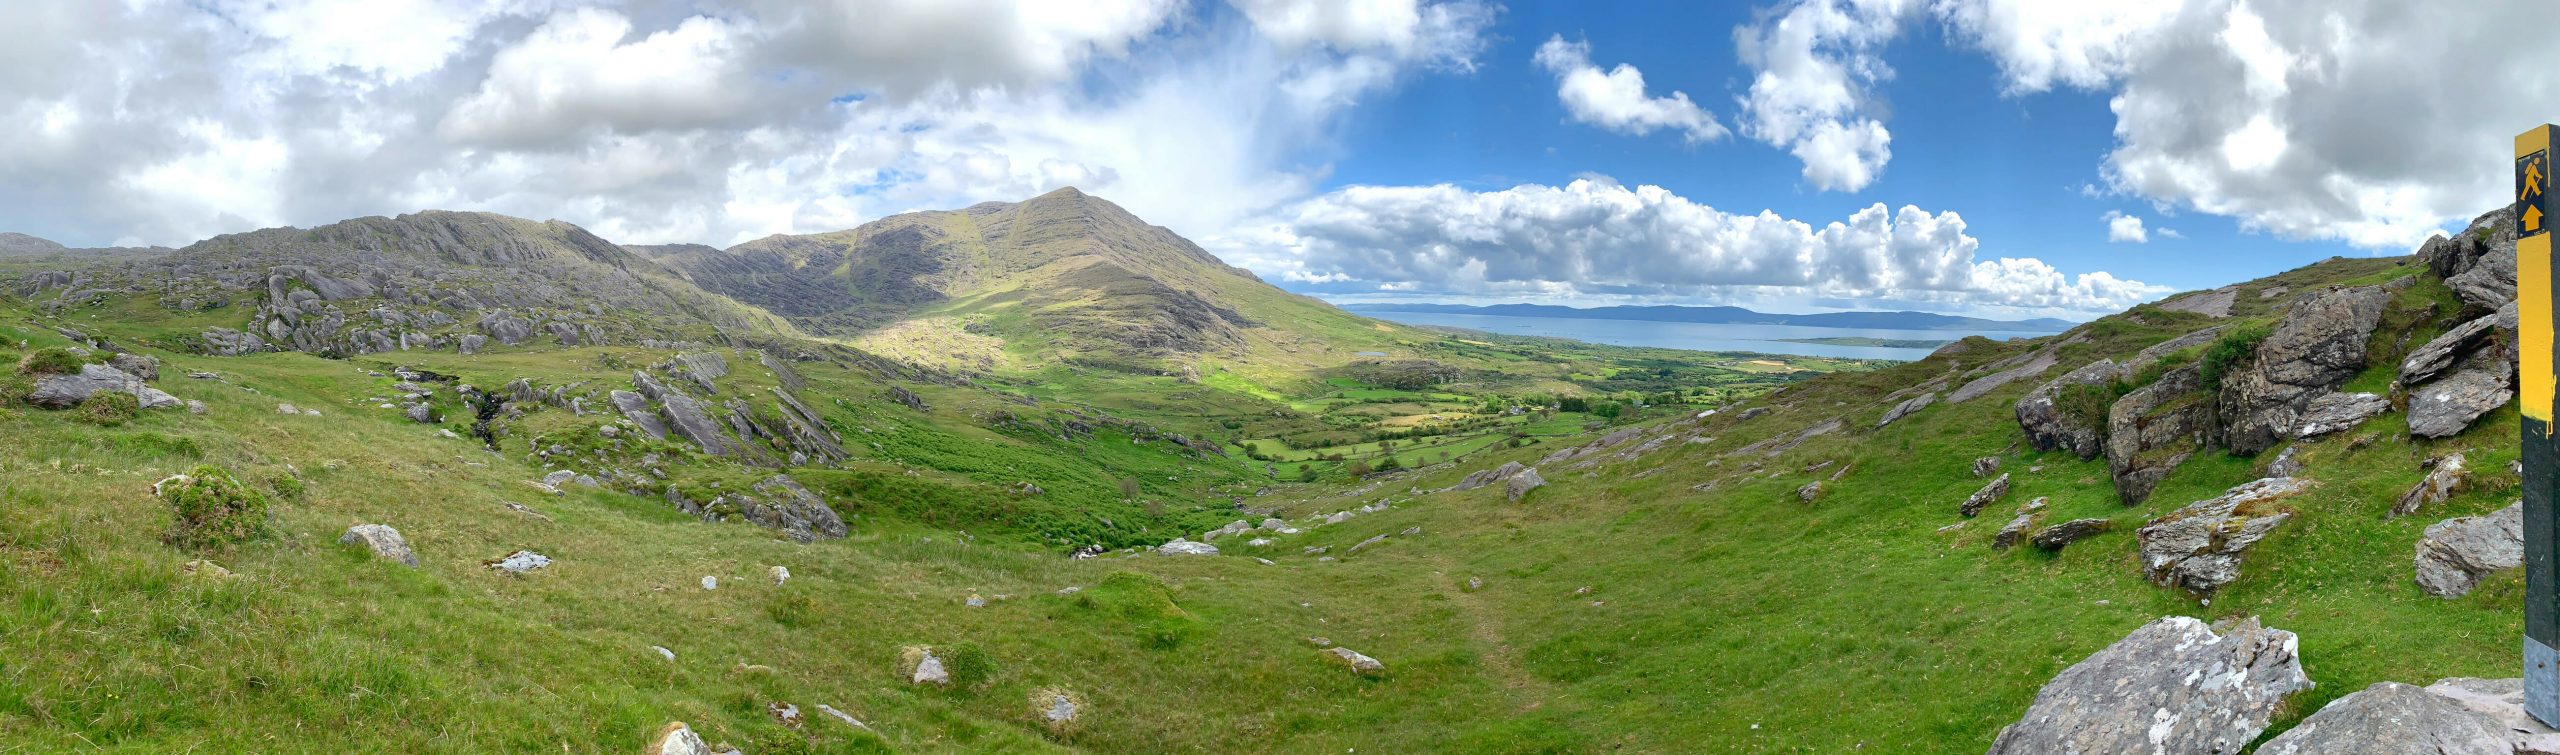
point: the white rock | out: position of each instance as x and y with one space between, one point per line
780 575
710 583
1181 547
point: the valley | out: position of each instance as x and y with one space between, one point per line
1543 545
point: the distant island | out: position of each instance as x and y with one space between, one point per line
1734 316
1887 343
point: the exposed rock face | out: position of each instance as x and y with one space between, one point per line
383 541
2173 686
2448 405
2055 537
519 562
2339 412
2153 430
137 365
1974 504
635 407
225 342
1810 492
2199 547
1520 484
2031 366
2049 428
1983 467
66 391
2456 553
780 503
1490 476
1907 408
2215 303
1181 547
2286 465
2444 351
2439 484
686 416
703 368
2393 718
2319 345
2479 263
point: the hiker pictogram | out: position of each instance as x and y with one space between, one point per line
2532 178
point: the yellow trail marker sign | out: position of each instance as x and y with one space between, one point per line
2536 385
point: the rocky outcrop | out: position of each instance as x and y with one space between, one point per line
2007 372
2479 263
2016 530
686 416
1358 663
1181 547
2173 686
2050 428
2337 412
635 407
1983 467
1485 477
2215 303
137 365
781 503
2446 406
2502 700
225 342
384 541
2444 351
2444 475
2153 430
2392 719
2055 537
2198 547
2318 346
66 391
1993 492
2456 553
1907 408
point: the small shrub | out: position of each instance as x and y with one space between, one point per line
108 409
286 485
793 610
211 508
51 361
970 666
2228 353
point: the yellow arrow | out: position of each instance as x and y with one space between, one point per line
2532 218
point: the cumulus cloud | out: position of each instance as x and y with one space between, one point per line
2372 122
1815 65
1615 99
664 120
2125 229
1596 238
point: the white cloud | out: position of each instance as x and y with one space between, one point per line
1442 33
663 120
2125 229
1596 238
1814 64
2373 122
1615 99
2169 233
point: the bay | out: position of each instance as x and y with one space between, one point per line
1764 339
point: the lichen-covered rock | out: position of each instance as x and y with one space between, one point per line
2198 547
635 407
67 391
677 739
2439 484
1983 467
519 562
2016 530
2456 553
2152 430
1359 664
1973 505
1181 547
922 667
1810 492
383 541
137 365
2030 365
782 503
2318 346
2050 428
2173 686
2393 719
2338 412
2444 351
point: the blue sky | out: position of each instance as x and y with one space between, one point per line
1989 157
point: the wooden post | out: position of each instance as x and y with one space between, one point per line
2535 388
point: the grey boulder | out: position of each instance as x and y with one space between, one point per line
1973 505
1490 476
383 541
2338 412
2055 537
2049 428
1520 484
2172 686
2391 718
2319 345
2153 430
66 391
2456 553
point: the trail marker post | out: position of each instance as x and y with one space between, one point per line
2535 387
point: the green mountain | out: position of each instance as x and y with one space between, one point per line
1064 276
261 496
